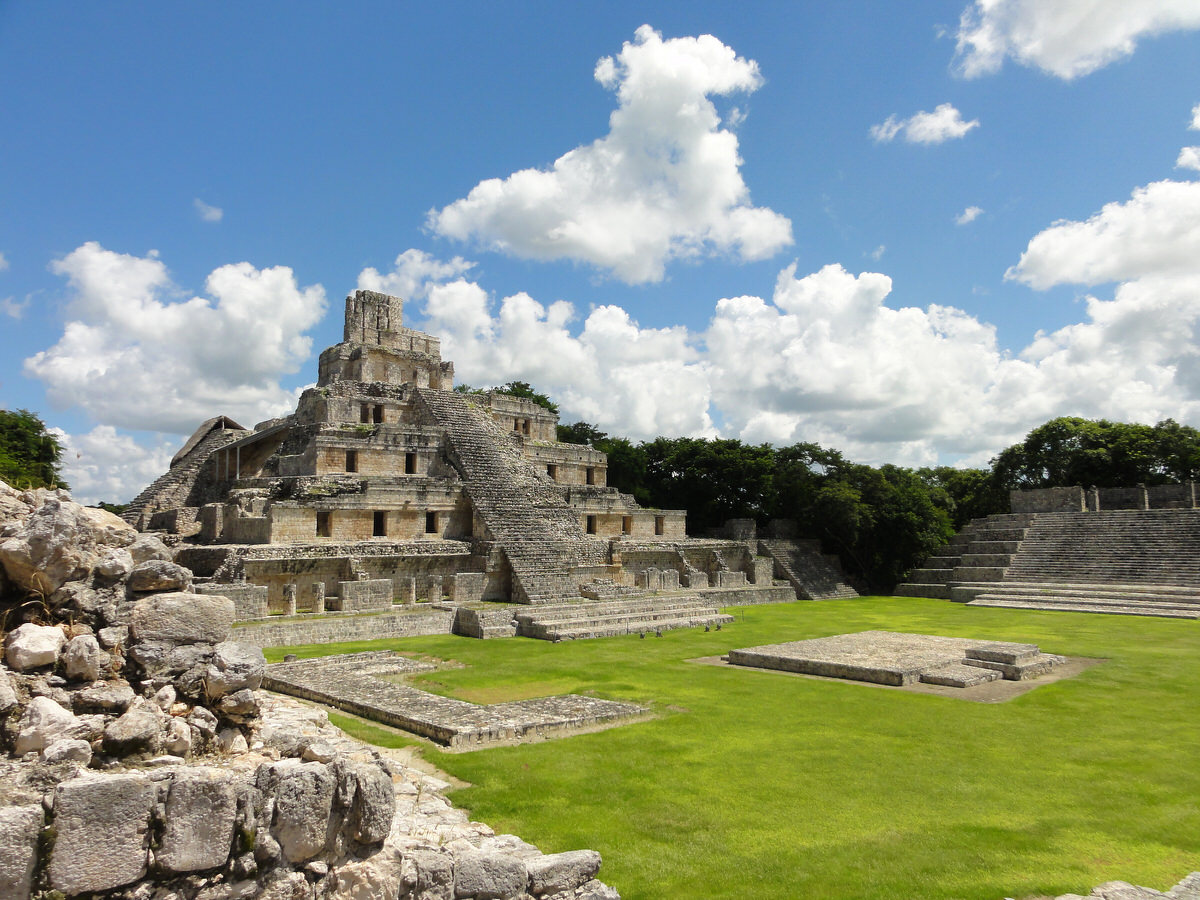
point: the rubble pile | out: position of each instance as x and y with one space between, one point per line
140 760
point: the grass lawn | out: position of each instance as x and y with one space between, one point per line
758 784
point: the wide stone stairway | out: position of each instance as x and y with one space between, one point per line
809 571
540 535
639 615
1132 562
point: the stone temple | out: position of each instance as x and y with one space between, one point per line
387 486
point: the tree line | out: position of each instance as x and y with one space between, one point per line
882 521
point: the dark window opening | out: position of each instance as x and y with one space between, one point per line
324 524
516 424
431 523
410 464
552 471
659 524
377 415
364 414
379 528
351 460
591 475
626 524
591 524
525 427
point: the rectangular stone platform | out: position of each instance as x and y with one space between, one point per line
893 658
356 683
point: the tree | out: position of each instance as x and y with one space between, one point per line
524 389
971 493
29 453
580 433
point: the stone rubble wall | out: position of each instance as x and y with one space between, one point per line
140 761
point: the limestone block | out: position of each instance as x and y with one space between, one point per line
374 803
19 828
30 646
159 575
596 890
147 547
200 811
60 541
488 876
116 564
231 740
43 723
8 696
562 871
234 667
178 739
366 879
182 618
103 826
240 706
303 802
113 636
67 750
83 659
287 886
104 697
138 730
430 873
203 721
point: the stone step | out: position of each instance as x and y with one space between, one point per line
914 589
959 675
632 628
1086 606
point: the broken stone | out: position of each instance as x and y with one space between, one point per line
234 667
239 706
8 696
159 575
374 803
83 660
113 636
67 750
111 696
178 739
559 872
115 564
137 731
31 646
147 547
43 723
231 740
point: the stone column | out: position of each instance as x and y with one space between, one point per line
435 589
318 594
408 591
1145 496
289 599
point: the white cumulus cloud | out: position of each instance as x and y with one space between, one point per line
665 183
137 353
208 213
1155 233
968 215
3 262
105 465
1195 124
945 123
1189 158
1066 38
412 272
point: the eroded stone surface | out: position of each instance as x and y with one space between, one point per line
888 657
103 832
19 829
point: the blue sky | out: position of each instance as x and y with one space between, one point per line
909 231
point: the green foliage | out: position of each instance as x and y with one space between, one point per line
29 454
765 785
1072 451
580 433
713 480
971 493
524 389
114 508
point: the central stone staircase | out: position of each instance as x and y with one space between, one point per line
593 619
810 572
540 535
1131 562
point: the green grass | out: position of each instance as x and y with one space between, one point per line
756 784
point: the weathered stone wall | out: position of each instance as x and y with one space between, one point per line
1058 499
329 629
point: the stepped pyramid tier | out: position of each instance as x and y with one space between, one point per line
386 486
1075 552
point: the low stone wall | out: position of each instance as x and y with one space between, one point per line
361 596
748 596
332 629
1057 499
249 600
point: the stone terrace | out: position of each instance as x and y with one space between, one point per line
886 657
354 683
1132 562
